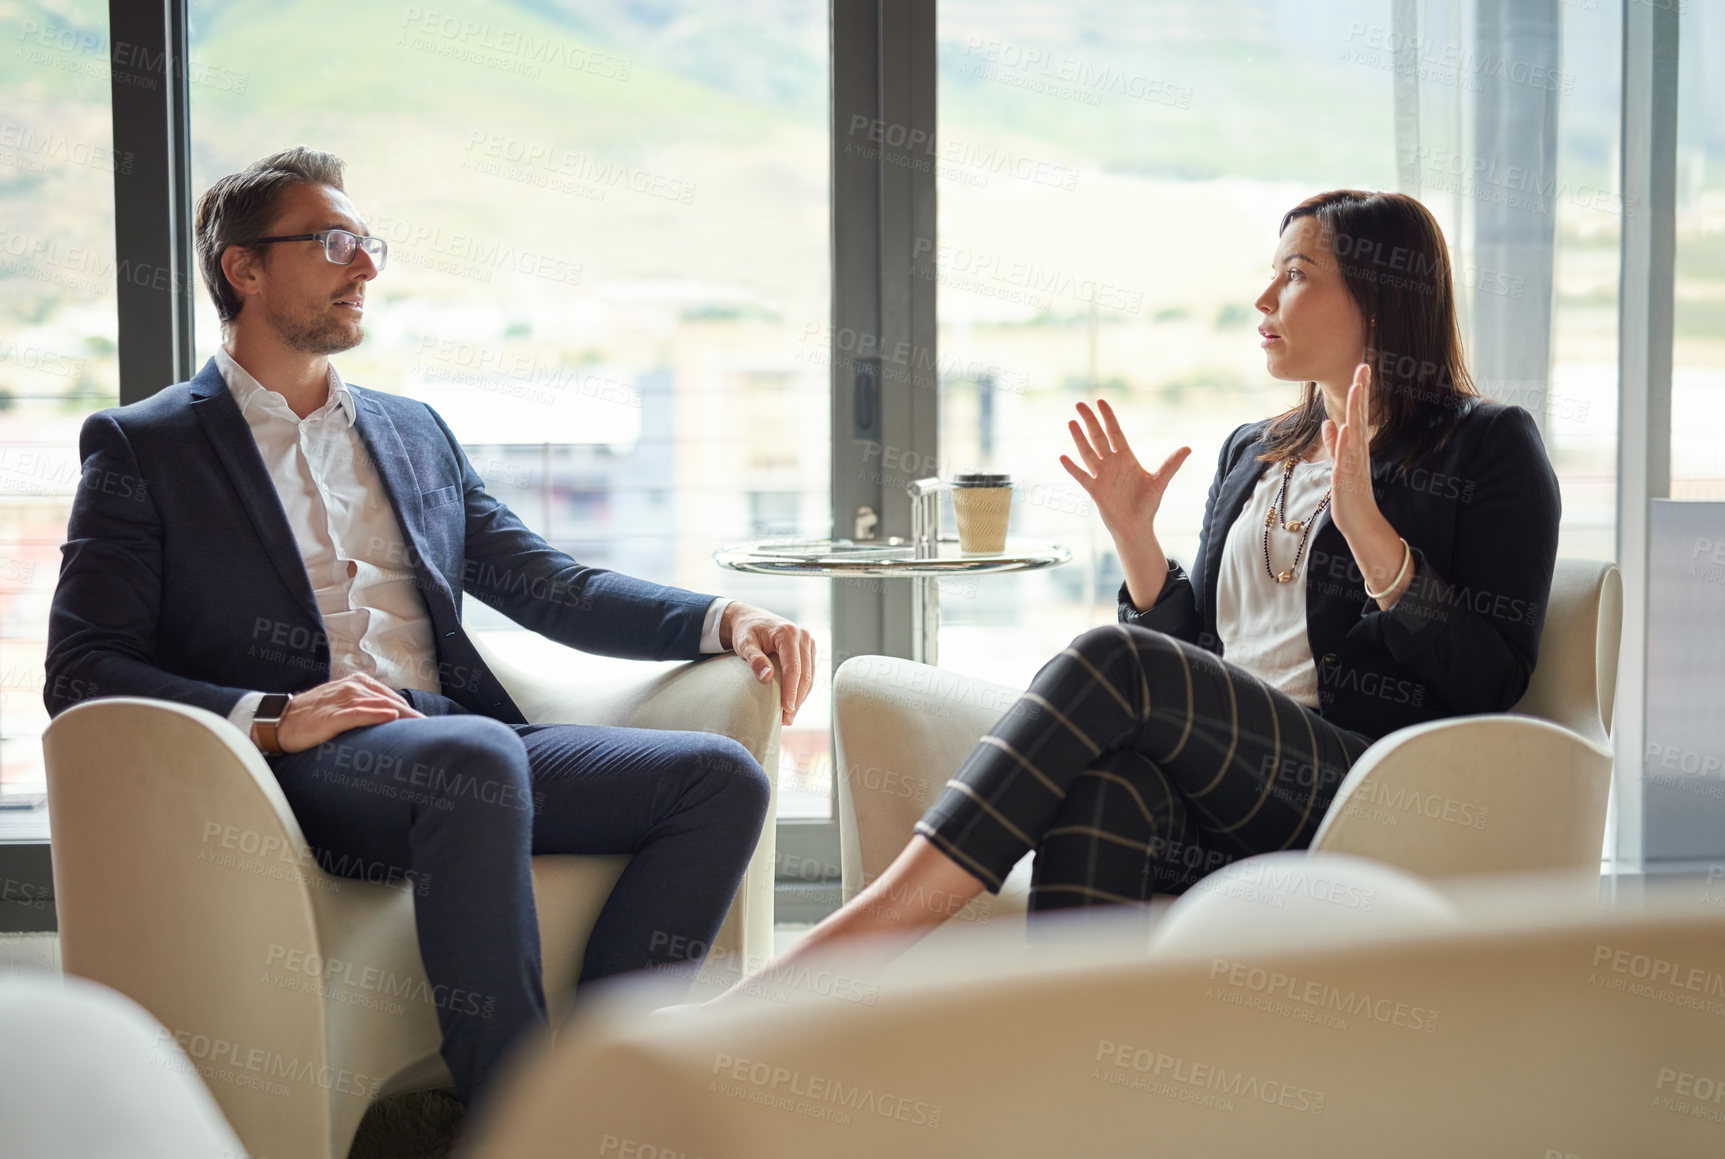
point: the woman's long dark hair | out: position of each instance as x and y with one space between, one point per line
1392 256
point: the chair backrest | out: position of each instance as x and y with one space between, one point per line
1434 799
1575 681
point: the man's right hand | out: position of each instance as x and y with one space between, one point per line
354 701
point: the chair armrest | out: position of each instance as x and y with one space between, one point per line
900 730
108 761
717 694
180 877
1472 795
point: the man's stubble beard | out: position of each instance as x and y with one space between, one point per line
325 335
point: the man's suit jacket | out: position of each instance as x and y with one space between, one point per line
181 579
1481 516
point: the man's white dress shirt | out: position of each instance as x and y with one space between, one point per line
373 613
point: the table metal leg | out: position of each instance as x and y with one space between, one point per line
925 620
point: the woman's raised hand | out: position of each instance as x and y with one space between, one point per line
1126 495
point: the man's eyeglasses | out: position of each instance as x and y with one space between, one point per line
339 246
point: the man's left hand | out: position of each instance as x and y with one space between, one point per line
771 643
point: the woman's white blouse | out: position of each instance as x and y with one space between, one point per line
1263 623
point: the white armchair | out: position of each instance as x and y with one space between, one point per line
1518 791
87 1074
1527 1021
183 880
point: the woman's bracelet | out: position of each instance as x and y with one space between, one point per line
1407 558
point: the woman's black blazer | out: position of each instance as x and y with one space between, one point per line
1481 515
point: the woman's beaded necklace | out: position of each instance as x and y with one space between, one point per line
1303 527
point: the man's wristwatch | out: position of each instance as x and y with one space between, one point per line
271 709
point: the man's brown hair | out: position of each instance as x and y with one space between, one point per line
241 206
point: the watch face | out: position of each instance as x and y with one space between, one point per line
271 707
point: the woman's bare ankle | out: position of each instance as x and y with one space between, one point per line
916 893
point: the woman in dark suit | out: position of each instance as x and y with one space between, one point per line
1376 556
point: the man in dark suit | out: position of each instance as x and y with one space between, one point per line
290 551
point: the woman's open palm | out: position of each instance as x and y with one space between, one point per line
1126 495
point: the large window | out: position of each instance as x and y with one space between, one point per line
1698 340
57 327
608 233
611 226
1111 177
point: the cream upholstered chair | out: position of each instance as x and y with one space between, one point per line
1524 790
183 880
1531 1023
1519 791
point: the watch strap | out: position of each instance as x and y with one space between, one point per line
265 725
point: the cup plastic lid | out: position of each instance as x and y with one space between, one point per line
979 479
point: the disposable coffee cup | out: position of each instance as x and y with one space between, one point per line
983 504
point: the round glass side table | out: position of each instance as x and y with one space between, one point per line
893 558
